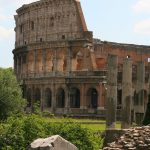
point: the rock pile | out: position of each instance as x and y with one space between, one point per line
137 138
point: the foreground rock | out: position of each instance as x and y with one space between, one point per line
52 143
134 139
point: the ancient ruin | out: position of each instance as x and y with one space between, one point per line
60 65
137 138
55 142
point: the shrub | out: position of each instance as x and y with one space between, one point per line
11 100
18 133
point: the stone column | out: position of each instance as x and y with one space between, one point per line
32 98
55 62
17 61
83 98
21 65
69 62
111 100
126 93
42 98
67 100
15 64
139 102
53 97
100 92
44 60
35 58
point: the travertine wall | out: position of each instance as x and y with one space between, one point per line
49 20
55 50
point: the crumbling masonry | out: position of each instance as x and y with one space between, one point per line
61 66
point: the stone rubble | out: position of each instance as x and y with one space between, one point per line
137 138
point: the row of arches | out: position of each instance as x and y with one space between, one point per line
61 96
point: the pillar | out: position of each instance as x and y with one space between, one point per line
93 59
67 100
100 97
35 58
42 98
69 61
21 66
55 62
32 98
53 97
139 102
111 100
15 64
126 93
83 104
44 60
17 61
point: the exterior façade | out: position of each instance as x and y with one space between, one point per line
59 63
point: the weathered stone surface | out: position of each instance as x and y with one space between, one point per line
111 101
126 93
132 139
54 49
52 143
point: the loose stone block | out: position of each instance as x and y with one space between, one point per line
52 143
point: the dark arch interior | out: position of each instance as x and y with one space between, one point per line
48 97
29 98
93 98
37 95
75 98
61 98
119 99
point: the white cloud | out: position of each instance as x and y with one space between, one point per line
6 33
143 27
142 6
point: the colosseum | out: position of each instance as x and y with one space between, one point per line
60 65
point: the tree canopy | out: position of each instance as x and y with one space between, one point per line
11 100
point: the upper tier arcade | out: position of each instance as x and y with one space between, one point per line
49 20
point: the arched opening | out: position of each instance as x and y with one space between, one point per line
37 97
92 98
48 98
29 99
119 98
75 98
60 98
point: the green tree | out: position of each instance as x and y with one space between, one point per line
11 100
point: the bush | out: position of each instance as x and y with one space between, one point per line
11 100
18 133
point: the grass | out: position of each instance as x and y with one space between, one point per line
92 124
98 127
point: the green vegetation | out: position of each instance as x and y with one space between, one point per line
19 132
11 100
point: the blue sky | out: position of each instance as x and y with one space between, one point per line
125 21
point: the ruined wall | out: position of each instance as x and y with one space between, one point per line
135 52
49 20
